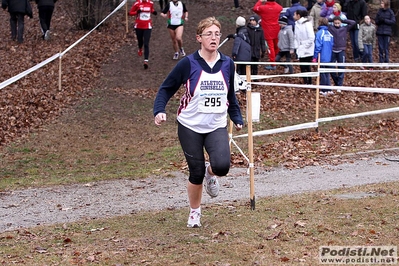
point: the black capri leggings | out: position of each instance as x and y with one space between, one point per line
217 146
143 38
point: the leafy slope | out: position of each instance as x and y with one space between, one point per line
36 99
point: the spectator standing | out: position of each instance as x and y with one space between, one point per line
269 12
236 4
286 44
257 40
367 39
46 9
18 10
339 30
242 45
208 79
327 9
324 42
355 10
177 14
295 5
161 3
304 41
310 4
385 19
315 13
143 26
337 12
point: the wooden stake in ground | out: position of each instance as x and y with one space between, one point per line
127 18
317 90
60 72
250 140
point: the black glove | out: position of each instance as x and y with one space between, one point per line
138 11
155 13
230 36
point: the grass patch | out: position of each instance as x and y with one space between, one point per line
281 230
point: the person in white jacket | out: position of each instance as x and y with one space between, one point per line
304 41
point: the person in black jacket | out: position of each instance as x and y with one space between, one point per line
46 9
161 2
257 39
242 45
17 9
355 10
385 19
236 5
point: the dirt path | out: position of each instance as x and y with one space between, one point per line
63 204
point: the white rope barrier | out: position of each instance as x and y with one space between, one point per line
376 112
56 56
343 88
28 71
339 88
329 64
316 124
98 25
328 68
281 129
333 68
238 148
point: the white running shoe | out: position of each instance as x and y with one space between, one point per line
47 35
194 220
286 70
176 56
211 183
182 53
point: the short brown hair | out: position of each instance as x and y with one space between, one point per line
323 21
386 3
206 23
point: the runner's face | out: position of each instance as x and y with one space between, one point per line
212 41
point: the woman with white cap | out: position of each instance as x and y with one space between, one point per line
242 45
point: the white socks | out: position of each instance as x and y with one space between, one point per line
197 210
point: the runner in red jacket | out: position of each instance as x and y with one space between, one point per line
269 11
143 9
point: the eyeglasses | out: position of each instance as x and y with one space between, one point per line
209 34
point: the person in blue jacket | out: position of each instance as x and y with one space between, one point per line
208 79
385 19
324 42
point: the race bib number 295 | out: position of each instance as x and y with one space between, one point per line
211 104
